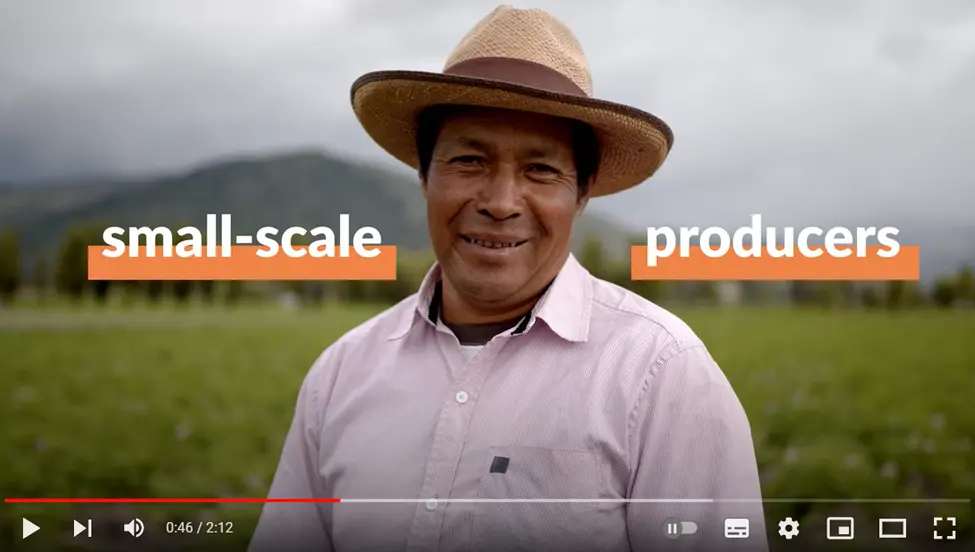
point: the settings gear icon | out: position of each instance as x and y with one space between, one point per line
789 528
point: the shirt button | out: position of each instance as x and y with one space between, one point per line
462 397
431 504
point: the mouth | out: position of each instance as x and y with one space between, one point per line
494 244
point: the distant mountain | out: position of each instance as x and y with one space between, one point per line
301 189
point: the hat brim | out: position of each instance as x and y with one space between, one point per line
633 143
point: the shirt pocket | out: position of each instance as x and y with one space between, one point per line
564 485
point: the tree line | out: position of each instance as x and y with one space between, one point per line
66 275
946 292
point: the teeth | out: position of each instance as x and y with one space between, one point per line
493 245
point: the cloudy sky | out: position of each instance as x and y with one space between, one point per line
827 112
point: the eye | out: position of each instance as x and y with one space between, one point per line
470 160
542 169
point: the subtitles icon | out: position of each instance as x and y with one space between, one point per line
839 528
736 528
893 528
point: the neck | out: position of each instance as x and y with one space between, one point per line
455 309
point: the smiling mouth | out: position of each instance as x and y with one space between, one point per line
494 244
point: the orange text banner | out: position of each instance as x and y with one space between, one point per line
243 263
698 266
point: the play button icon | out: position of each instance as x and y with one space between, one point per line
29 528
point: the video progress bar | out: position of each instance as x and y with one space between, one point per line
671 500
490 500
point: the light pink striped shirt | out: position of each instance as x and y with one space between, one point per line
600 396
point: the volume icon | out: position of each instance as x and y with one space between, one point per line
134 527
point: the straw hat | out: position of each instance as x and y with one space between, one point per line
523 60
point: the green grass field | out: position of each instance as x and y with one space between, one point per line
195 403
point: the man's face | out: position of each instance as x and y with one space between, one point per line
502 196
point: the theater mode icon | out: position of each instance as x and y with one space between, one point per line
893 528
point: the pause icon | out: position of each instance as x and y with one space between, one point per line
674 528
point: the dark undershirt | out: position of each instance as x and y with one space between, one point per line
475 334
480 334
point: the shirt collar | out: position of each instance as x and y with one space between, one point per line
565 307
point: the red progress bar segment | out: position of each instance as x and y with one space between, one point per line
166 500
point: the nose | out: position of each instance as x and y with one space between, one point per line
499 197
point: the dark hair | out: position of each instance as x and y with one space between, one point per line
585 143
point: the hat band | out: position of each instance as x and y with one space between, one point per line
516 71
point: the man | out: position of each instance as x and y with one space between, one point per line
513 373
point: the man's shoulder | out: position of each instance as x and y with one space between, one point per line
617 306
380 327
662 341
365 337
